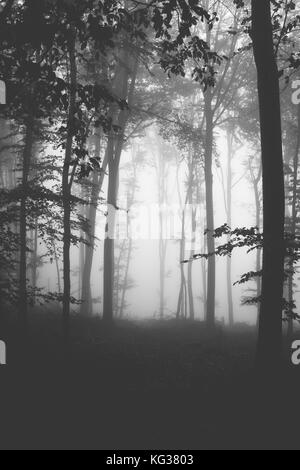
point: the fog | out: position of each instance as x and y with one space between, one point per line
142 298
149 222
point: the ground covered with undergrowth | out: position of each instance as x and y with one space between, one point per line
143 385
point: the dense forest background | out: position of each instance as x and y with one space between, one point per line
149 203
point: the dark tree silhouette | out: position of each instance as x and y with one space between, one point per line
270 318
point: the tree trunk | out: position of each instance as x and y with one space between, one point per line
193 238
118 277
256 181
34 258
180 301
66 189
125 285
190 269
81 260
86 306
162 243
211 268
229 222
23 297
269 346
130 202
203 250
56 259
81 254
114 157
112 194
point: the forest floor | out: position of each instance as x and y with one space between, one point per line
143 385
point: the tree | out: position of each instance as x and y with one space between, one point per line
230 139
125 91
27 154
67 184
255 177
217 99
270 318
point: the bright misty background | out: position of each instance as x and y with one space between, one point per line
143 297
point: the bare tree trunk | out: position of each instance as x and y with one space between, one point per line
269 346
34 258
203 250
229 222
118 276
180 301
256 180
108 307
81 263
81 257
162 267
56 259
211 268
113 185
66 189
86 306
27 153
130 201
125 285
193 240
190 269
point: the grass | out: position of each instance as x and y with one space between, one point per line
141 385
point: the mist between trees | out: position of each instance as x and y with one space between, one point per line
142 222
170 122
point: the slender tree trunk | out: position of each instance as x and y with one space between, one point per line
203 250
98 179
190 268
118 276
56 259
125 286
86 306
193 240
81 257
34 257
229 222
256 182
162 267
130 201
258 252
180 301
269 346
66 190
114 157
211 268
81 263
108 307
162 247
27 153
204 287
185 301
